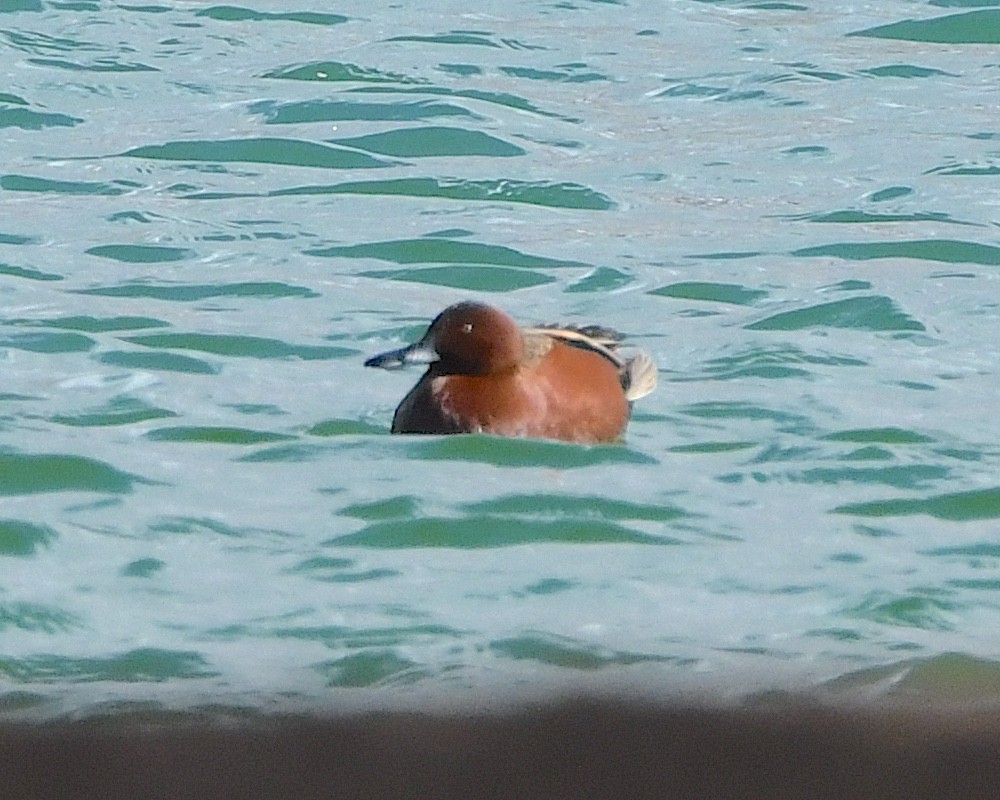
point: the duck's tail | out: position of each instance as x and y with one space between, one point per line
639 376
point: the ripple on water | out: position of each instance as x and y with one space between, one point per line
239 14
141 253
568 653
770 362
970 27
503 452
340 570
89 324
290 152
925 608
426 142
539 193
347 110
370 668
240 346
472 266
870 313
575 507
207 434
36 618
483 531
439 249
187 293
30 120
31 474
142 665
157 362
731 293
977 504
45 342
27 183
21 538
116 411
340 71
950 251
28 273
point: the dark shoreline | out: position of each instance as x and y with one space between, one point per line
585 748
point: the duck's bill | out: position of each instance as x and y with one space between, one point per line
417 353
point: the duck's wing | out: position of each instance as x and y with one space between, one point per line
605 344
638 373
608 337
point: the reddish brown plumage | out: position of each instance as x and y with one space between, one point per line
487 375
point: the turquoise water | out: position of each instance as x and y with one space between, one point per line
211 215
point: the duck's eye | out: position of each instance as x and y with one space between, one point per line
466 327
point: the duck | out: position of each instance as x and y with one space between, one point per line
486 374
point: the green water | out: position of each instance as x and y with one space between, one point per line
211 215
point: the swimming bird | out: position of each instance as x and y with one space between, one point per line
485 374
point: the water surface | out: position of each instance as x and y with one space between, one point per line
211 215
